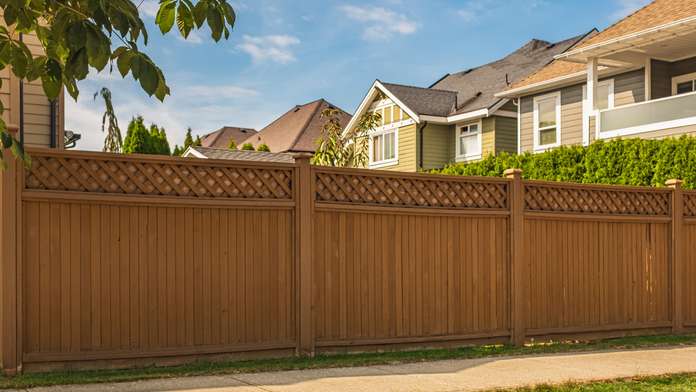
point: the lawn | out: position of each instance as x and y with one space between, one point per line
678 382
348 360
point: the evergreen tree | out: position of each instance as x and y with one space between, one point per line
188 140
263 147
232 145
137 139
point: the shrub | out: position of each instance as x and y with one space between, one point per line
263 147
248 147
621 162
232 145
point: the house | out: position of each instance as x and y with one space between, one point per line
222 137
637 78
238 155
37 121
458 118
297 130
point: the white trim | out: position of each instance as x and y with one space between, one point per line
586 113
505 113
648 79
192 153
457 118
557 96
479 138
376 88
658 126
656 29
381 131
519 125
681 79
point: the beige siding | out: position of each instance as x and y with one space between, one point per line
509 106
488 136
628 88
438 146
505 135
407 150
661 83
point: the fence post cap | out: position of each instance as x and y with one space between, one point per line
674 183
510 173
302 156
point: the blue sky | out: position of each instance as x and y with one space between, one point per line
284 53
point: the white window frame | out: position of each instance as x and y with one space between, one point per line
381 132
539 147
470 157
586 112
680 79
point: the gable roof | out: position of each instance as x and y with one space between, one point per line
470 93
656 13
298 129
476 88
238 155
221 137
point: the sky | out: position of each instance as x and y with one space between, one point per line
284 53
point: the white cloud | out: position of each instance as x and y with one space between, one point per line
627 7
149 8
380 22
276 48
474 9
215 92
194 37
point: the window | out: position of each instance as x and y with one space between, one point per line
383 147
469 141
547 121
683 84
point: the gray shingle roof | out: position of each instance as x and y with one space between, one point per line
475 88
428 101
243 155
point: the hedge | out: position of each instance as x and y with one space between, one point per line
619 162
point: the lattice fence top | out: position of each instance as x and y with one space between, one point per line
157 177
581 199
380 189
690 204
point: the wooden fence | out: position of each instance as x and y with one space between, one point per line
111 260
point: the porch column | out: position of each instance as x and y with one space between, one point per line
592 81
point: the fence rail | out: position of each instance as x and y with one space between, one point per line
117 258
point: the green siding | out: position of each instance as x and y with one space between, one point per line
438 146
505 135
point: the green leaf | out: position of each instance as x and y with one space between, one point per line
215 23
78 65
97 49
230 15
52 79
124 63
149 78
199 12
76 36
165 15
184 20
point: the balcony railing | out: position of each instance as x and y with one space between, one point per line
655 115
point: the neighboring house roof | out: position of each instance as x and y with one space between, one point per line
221 137
238 155
656 13
298 129
477 87
425 101
470 93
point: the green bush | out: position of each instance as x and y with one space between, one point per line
620 162
248 147
232 145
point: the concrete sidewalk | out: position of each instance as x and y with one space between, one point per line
441 376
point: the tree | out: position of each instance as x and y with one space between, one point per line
159 144
78 34
112 141
232 145
137 139
340 148
263 147
248 147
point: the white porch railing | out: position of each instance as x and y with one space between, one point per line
655 115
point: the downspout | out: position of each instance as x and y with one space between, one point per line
518 102
54 122
420 153
21 103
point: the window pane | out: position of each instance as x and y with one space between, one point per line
547 136
388 115
390 146
377 148
473 128
602 96
397 113
685 87
547 112
469 145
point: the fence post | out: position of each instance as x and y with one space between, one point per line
9 353
517 293
303 246
677 255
